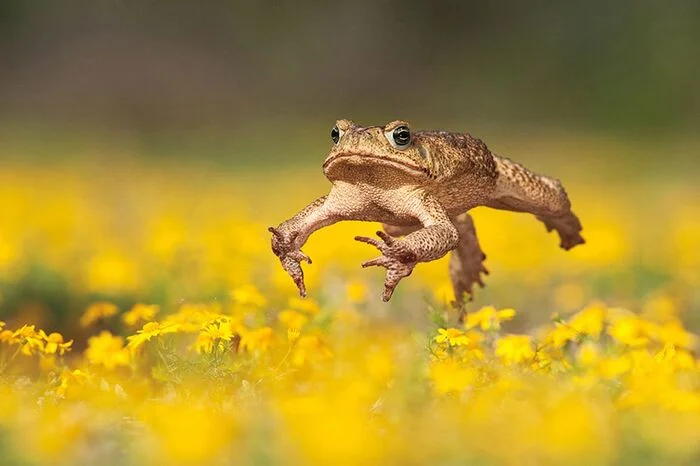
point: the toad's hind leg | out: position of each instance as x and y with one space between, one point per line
520 190
466 261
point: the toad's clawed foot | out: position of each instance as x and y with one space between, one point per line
464 276
567 226
290 257
396 258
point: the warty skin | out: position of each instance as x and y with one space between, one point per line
420 186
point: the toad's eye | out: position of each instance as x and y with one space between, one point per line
335 134
401 136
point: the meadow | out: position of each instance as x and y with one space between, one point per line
146 321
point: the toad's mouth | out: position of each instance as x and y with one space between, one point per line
360 157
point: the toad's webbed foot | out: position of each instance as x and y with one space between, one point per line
465 273
567 226
290 256
396 258
520 190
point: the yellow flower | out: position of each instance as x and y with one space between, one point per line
292 319
220 330
550 360
29 338
488 318
139 313
96 312
107 350
629 330
678 358
191 317
258 339
474 341
149 330
560 335
293 334
70 379
672 332
7 336
513 349
26 331
589 321
215 333
55 343
452 336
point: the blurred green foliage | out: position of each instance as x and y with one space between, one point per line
271 69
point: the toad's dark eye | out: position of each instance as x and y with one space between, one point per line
335 134
401 135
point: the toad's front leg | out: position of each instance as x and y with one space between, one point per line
290 236
437 237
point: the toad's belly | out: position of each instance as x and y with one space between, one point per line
379 214
367 202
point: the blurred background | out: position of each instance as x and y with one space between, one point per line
171 77
137 138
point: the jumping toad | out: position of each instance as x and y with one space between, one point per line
420 185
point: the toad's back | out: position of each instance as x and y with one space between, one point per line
465 172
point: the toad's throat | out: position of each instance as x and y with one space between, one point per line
360 157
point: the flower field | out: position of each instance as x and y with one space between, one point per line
146 321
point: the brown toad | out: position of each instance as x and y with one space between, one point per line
420 185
